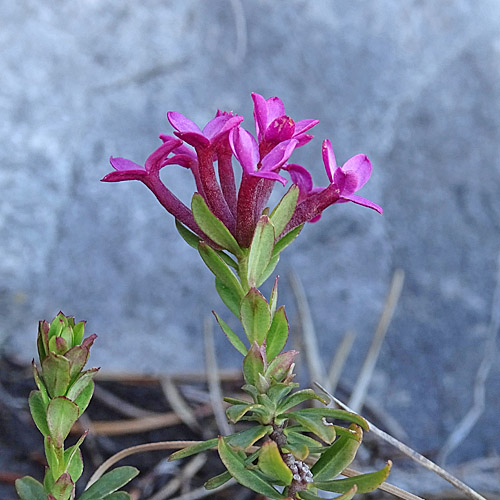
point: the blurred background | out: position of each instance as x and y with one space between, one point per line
414 84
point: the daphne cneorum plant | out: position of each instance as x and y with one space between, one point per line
64 392
240 239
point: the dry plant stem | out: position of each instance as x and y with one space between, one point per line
202 492
339 360
313 359
120 405
365 376
140 378
464 427
417 457
132 426
178 404
190 469
214 387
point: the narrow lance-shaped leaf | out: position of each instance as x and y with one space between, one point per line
338 456
271 464
261 250
212 226
56 374
313 423
364 482
73 459
255 316
81 383
230 298
236 467
284 210
273 300
306 495
280 365
220 269
298 397
232 337
282 243
188 236
193 449
269 269
84 397
109 483
336 414
220 479
277 335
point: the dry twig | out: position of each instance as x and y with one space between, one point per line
365 376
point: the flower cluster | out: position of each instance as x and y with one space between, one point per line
262 160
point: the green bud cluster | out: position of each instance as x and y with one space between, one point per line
64 392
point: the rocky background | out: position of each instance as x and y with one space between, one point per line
411 83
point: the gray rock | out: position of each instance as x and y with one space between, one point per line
412 84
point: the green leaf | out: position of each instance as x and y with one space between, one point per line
236 467
55 459
38 410
230 298
280 366
284 210
81 383
223 478
364 482
235 412
29 488
73 459
338 456
220 269
78 331
213 227
40 384
63 487
193 449
216 481
231 336
313 423
305 495
227 259
271 463
282 243
278 391
255 316
253 365
273 300
297 442
188 236
298 449
270 268
336 414
77 357
244 439
84 397
261 250
62 413
277 335
299 397
56 374
109 483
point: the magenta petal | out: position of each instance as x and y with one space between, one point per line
279 155
259 114
363 201
125 175
329 159
182 149
267 174
124 164
280 129
361 166
181 123
245 148
304 125
302 178
303 139
195 139
275 109
156 160
339 179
